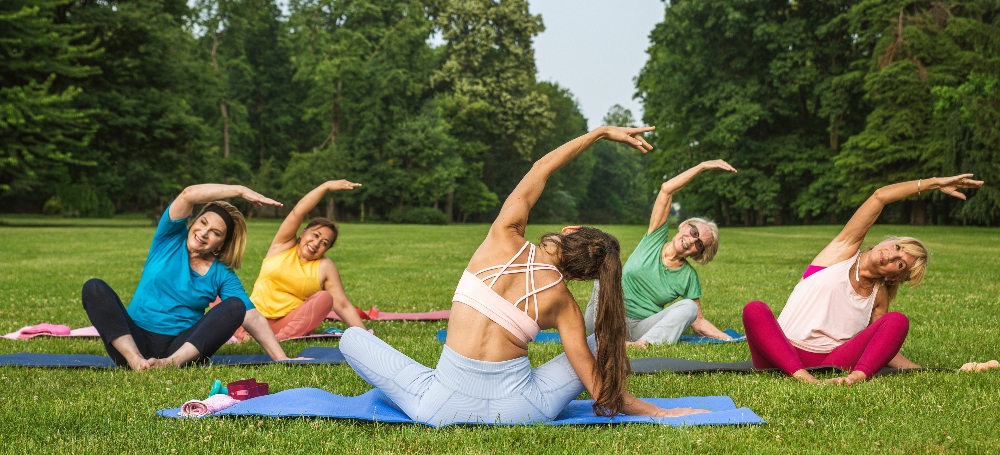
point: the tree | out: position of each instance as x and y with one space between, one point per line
41 131
617 191
488 79
149 142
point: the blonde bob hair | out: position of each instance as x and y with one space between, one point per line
712 247
231 252
915 248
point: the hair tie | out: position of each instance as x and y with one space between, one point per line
224 214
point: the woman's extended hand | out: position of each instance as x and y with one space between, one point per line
258 199
719 165
678 412
950 185
629 136
337 185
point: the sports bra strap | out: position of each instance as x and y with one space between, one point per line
528 269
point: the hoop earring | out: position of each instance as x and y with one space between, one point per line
215 252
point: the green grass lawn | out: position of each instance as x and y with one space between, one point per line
954 318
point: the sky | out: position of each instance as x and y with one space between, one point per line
595 48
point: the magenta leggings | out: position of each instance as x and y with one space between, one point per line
867 352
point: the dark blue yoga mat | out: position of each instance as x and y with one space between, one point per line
320 355
375 406
553 337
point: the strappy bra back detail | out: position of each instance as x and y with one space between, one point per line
475 292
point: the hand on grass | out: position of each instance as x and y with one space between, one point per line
976 366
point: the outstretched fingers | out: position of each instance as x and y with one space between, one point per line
258 199
951 185
631 136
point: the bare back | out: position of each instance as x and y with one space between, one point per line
473 334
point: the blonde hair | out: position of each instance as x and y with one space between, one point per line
708 254
918 269
235 245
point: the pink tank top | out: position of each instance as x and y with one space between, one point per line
474 292
824 312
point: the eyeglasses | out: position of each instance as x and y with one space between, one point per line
698 244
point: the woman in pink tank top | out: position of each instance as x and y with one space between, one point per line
839 313
510 290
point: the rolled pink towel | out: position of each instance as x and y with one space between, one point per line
44 328
210 405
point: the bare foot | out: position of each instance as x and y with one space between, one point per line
641 344
161 363
851 379
805 376
140 364
975 366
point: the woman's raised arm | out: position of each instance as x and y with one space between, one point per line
661 208
845 244
290 226
514 214
208 192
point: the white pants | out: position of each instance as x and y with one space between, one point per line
666 326
464 390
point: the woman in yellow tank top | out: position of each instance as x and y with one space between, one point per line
298 285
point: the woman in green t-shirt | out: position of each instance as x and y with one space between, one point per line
657 272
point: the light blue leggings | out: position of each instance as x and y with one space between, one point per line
665 326
464 390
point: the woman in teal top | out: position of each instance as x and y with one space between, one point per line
188 266
657 272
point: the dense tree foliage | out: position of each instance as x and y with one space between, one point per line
819 103
114 106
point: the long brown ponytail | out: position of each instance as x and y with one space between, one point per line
590 254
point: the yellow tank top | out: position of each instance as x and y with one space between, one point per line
284 283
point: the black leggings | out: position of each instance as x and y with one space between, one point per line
109 317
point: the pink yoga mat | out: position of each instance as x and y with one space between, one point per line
375 315
52 330
210 405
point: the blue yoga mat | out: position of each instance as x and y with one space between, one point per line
375 406
553 337
320 356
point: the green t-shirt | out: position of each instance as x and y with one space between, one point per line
648 285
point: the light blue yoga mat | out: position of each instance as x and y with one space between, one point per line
698 339
375 406
320 355
553 337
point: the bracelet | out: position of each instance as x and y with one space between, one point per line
918 186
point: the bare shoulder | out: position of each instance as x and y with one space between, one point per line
327 268
497 249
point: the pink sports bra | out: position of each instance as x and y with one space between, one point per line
475 293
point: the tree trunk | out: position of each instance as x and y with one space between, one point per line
718 209
808 219
778 219
223 108
449 206
746 217
331 213
727 214
362 211
918 212
833 217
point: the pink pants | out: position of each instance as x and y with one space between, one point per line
867 352
300 321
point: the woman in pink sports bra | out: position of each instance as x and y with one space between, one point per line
509 291
839 313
